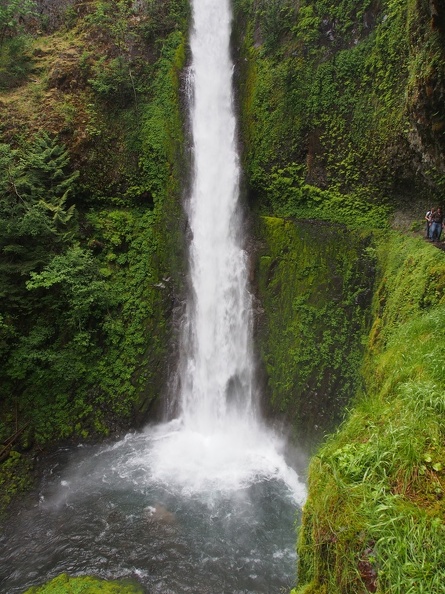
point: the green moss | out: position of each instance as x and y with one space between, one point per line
64 584
375 509
341 120
315 283
329 97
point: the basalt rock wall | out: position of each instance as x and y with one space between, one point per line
315 283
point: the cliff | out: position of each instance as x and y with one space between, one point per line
374 516
341 98
342 141
92 151
341 119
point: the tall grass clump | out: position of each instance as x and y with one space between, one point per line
375 516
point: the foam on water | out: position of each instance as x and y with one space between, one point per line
227 459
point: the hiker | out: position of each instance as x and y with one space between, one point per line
436 224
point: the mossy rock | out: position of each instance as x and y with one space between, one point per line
64 584
315 283
312 588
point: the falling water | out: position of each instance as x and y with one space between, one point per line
219 440
204 503
218 369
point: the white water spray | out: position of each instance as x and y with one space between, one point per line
218 443
218 371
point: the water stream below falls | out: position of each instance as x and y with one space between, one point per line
124 510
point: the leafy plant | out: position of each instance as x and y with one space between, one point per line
12 12
15 61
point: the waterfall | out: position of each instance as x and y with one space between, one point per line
217 368
218 442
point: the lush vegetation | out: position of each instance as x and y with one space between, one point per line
341 121
315 282
333 105
90 248
374 517
12 14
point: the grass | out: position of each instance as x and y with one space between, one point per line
36 102
374 519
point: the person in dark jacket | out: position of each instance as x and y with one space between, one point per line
436 224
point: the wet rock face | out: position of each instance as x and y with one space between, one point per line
54 11
65 73
333 32
426 95
437 8
314 282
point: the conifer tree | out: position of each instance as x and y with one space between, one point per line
35 221
47 179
